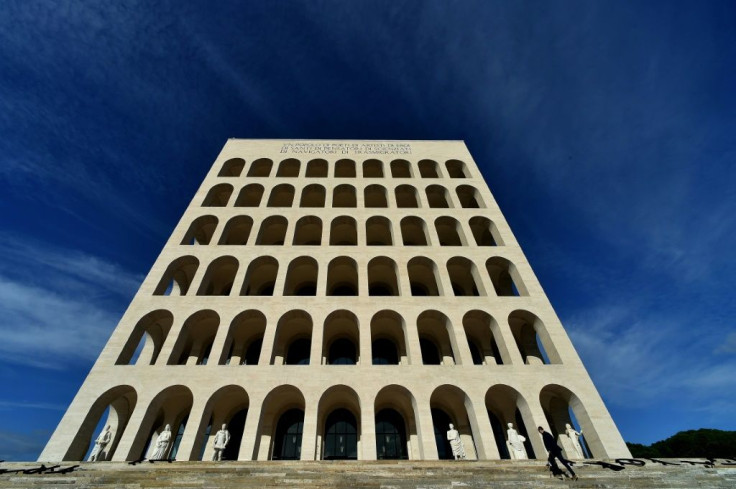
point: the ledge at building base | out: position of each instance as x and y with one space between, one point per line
364 475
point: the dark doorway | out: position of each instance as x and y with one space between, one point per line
390 435
342 352
298 353
341 436
253 353
235 427
384 352
521 428
430 353
287 443
500 436
441 422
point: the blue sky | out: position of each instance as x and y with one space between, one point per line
605 130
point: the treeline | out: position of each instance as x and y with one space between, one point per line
691 443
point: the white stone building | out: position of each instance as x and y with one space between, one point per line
338 299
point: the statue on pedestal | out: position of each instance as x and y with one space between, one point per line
515 443
458 450
222 438
162 444
98 452
575 440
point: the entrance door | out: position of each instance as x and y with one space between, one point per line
288 440
441 422
390 435
341 436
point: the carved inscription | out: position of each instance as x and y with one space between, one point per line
347 148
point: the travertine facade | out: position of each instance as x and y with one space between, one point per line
338 299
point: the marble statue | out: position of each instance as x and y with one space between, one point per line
98 452
575 440
515 443
162 444
458 450
222 438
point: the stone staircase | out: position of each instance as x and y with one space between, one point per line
363 475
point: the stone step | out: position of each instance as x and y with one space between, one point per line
364 475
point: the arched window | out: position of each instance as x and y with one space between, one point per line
372 169
484 335
414 232
436 338
342 277
293 339
485 232
313 196
218 280
232 168
317 168
260 168
340 337
178 277
200 231
301 277
308 231
341 436
378 231
375 196
464 277
237 231
382 279
344 196
456 169
250 196
469 197
390 435
400 169
388 345
423 277
147 338
532 339
260 277
273 231
244 339
218 196
281 196
194 344
343 232
406 197
505 277
289 168
437 197
449 232
288 438
428 169
345 169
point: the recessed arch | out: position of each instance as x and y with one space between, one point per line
260 168
338 424
469 197
400 169
308 231
293 339
345 168
218 279
414 231
456 169
341 339
170 407
505 277
301 277
428 169
397 436
313 196
388 339
281 196
342 277
232 168
435 330
119 403
406 197
464 277
455 405
145 341
281 424
375 196
178 276
194 343
244 339
237 231
317 168
485 232
343 231
532 338
218 196
289 168
383 277
378 231
484 333
260 278
228 406
561 406
200 231
423 277
505 405
438 197
273 231
449 231
344 196
372 169
250 196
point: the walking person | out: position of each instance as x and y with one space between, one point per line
555 452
